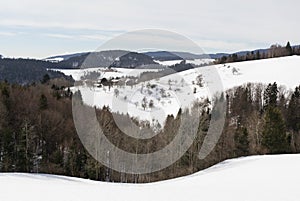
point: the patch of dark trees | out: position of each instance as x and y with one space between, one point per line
27 71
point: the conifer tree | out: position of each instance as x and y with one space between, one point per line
257 55
289 48
293 111
241 142
271 95
43 102
274 132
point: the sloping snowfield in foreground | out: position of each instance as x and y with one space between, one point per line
255 178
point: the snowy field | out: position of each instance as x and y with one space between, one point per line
118 72
180 90
195 62
284 70
255 178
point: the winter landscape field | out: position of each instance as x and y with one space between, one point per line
149 100
228 180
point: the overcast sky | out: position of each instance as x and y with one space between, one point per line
35 28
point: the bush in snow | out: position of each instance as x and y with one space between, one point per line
116 92
144 103
151 104
234 71
199 80
163 93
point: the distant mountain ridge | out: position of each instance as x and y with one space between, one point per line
120 58
163 56
111 58
133 60
70 60
175 54
191 56
92 59
66 56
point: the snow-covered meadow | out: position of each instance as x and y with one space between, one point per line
180 90
250 178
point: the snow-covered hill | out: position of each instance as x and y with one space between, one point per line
55 60
114 72
196 62
180 90
284 70
266 178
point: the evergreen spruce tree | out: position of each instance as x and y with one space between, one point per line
289 49
6 95
258 55
24 154
43 102
293 111
241 142
274 132
45 79
271 95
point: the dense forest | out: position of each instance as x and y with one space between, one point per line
27 71
37 132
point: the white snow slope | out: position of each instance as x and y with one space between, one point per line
255 178
116 72
285 71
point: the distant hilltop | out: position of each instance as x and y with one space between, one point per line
112 57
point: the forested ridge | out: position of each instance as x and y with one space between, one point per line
37 132
27 71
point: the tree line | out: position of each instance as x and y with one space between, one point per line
37 133
274 51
